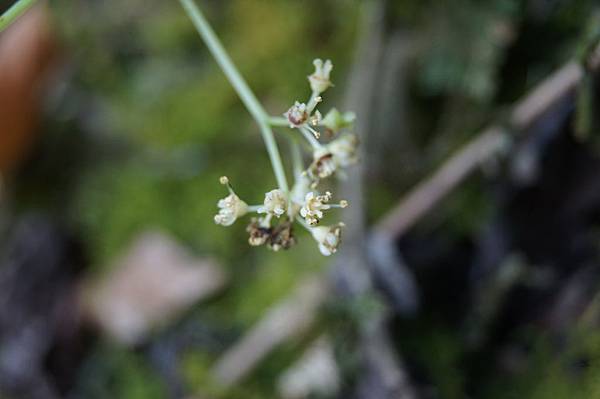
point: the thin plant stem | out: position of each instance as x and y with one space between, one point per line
310 138
278 121
240 86
313 101
303 223
14 12
273 151
296 158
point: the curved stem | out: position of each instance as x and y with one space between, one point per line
274 156
14 12
240 86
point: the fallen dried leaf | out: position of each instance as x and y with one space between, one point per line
155 280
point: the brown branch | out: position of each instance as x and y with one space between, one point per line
540 101
428 193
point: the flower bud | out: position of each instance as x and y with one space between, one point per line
335 121
319 80
328 238
344 150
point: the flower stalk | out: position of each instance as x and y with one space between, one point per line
14 12
240 86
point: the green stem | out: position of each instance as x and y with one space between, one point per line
14 12
313 101
278 121
240 86
314 143
296 158
273 151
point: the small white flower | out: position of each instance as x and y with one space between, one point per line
314 205
328 238
231 208
319 80
275 203
334 120
344 150
323 164
297 115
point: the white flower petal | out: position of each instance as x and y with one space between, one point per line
275 203
231 208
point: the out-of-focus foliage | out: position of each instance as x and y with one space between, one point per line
570 373
112 372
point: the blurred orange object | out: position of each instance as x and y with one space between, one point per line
27 52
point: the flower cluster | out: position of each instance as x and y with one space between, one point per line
304 203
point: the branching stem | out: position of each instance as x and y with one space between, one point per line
240 86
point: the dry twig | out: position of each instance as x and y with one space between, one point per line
538 103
